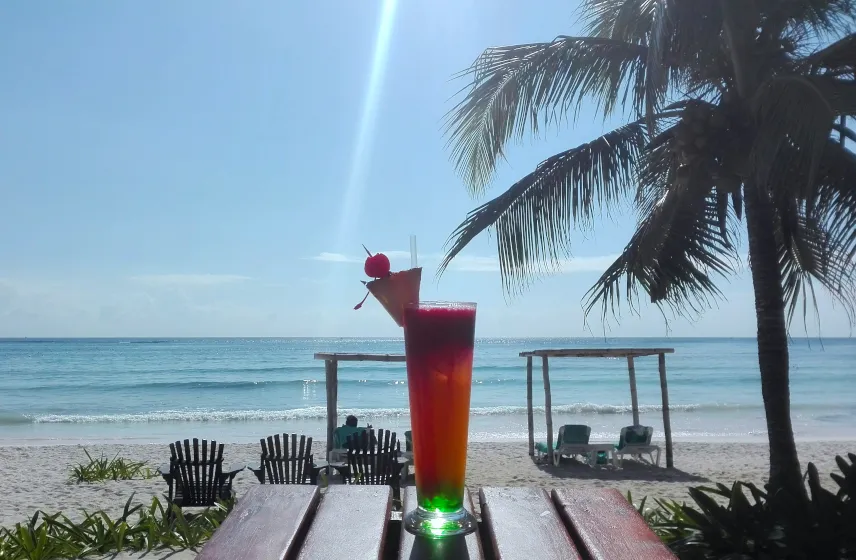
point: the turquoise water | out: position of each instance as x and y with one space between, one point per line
238 390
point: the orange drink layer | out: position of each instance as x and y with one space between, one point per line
439 341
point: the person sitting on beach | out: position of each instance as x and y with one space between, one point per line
342 433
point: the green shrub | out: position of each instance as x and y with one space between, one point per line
744 522
56 536
101 468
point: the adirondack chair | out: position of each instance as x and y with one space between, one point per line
373 460
286 466
198 480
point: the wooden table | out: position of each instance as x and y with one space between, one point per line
274 522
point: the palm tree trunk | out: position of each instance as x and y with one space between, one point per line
740 20
785 474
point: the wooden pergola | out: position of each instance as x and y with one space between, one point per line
331 378
629 353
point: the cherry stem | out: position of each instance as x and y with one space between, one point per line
367 251
362 302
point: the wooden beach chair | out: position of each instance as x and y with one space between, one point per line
373 460
198 479
340 440
284 464
635 441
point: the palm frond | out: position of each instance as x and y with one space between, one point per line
529 85
834 205
817 234
623 20
838 58
534 217
723 144
799 20
683 37
674 254
798 111
656 171
656 72
806 253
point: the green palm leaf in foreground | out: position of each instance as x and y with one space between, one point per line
738 115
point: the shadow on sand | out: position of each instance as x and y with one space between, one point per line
631 470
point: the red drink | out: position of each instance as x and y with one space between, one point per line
439 341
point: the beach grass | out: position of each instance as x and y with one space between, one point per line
99 469
157 526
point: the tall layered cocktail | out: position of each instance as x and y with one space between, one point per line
438 340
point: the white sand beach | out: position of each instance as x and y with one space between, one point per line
36 478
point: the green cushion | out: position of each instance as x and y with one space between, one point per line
574 434
635 437
341 434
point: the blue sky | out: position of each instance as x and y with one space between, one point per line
202 169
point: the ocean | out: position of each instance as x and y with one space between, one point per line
239 390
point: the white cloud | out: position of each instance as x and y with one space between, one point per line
472 263
334 257
171 280
340 258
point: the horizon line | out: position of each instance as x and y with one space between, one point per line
170 338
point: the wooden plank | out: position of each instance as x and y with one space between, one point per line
667 422
360 357
529 417
413 548
264 525
523 523
598 352
634 398
608 526
351 523
545 367
331 380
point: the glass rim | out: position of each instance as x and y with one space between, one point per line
441 305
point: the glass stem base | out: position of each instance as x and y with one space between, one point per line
438 525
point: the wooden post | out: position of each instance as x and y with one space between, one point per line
529 418
634 399
547 404
331 375
667 424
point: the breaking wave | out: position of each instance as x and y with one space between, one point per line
320 412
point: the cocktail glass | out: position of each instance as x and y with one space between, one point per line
438 340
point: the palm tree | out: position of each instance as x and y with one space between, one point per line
735 112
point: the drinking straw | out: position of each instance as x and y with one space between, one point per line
413 251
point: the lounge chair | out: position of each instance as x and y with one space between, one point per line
286 465
342 433
373 460
573 440
635 441
198 480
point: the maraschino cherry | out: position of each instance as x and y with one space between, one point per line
377 266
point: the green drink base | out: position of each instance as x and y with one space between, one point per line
436 525
442 502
